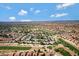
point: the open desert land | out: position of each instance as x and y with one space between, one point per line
39 39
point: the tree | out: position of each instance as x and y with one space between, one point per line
50 47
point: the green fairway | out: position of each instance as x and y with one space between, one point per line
14 48
63 52
66 44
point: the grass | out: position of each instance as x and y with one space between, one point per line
66 44
63 52
14 48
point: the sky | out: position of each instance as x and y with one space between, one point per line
39 11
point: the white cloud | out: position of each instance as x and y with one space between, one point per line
64 5
22 12
6 7
31 9
25 20
12 18
52 15
62 14
59 15
37 11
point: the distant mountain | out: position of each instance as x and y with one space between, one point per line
38 22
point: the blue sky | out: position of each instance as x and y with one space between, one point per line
39 11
